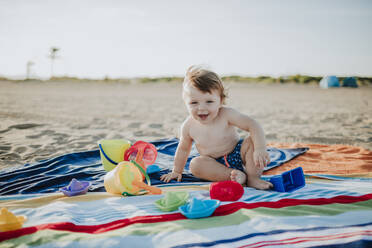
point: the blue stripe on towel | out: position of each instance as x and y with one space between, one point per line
49 175
270 233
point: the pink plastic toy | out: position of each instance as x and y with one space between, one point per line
226 191
142 152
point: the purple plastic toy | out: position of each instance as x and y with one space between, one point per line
75 188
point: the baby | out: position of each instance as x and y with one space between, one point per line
212 126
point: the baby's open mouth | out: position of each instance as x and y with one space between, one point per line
203 117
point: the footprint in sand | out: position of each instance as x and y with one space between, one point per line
134 125
45 132
20 149
5 130
139 133
99 136
35 146
25 126
60 137
11 156
80 127
5 148
156 134
156 125
271 136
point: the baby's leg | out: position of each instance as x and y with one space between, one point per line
253 172
209 169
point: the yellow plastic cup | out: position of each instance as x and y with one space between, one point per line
112 152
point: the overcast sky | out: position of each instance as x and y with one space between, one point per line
99 38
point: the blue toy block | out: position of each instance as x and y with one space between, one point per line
289 181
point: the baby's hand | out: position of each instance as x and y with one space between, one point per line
261 158
173 175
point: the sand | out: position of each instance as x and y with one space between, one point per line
41 120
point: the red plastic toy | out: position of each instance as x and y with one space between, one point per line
226 191
142 152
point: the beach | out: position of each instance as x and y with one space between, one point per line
42 120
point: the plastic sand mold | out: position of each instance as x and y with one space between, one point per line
172 201
199 208
76 187
9 221
289 181
226 191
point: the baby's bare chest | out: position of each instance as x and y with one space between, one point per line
213 140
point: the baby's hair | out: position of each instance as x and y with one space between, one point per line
205 80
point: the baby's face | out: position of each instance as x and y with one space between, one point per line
202 106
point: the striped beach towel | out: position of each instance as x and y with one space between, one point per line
334 209
325 213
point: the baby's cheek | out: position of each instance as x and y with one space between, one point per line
192 108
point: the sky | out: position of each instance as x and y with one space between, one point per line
107 38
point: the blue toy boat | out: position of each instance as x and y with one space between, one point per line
199 208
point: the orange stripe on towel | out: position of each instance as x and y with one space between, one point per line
341 160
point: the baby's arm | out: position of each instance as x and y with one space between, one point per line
260 155
182 153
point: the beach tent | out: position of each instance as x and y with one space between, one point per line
329 82
349 82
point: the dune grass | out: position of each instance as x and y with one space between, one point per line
299 79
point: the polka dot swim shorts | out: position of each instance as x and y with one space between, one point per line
233 159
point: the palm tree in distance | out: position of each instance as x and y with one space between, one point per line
28 68
52 55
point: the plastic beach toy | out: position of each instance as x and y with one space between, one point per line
126 179
9 221
76 187
112 152
142 152
199 208
226 191
289 181
152 169
172 201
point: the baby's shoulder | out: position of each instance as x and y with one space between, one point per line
186 123
229 114
226 111
185 127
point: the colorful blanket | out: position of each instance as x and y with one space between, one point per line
50 175
334 209
322 214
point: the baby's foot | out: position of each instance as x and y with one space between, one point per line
257 183
238 176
